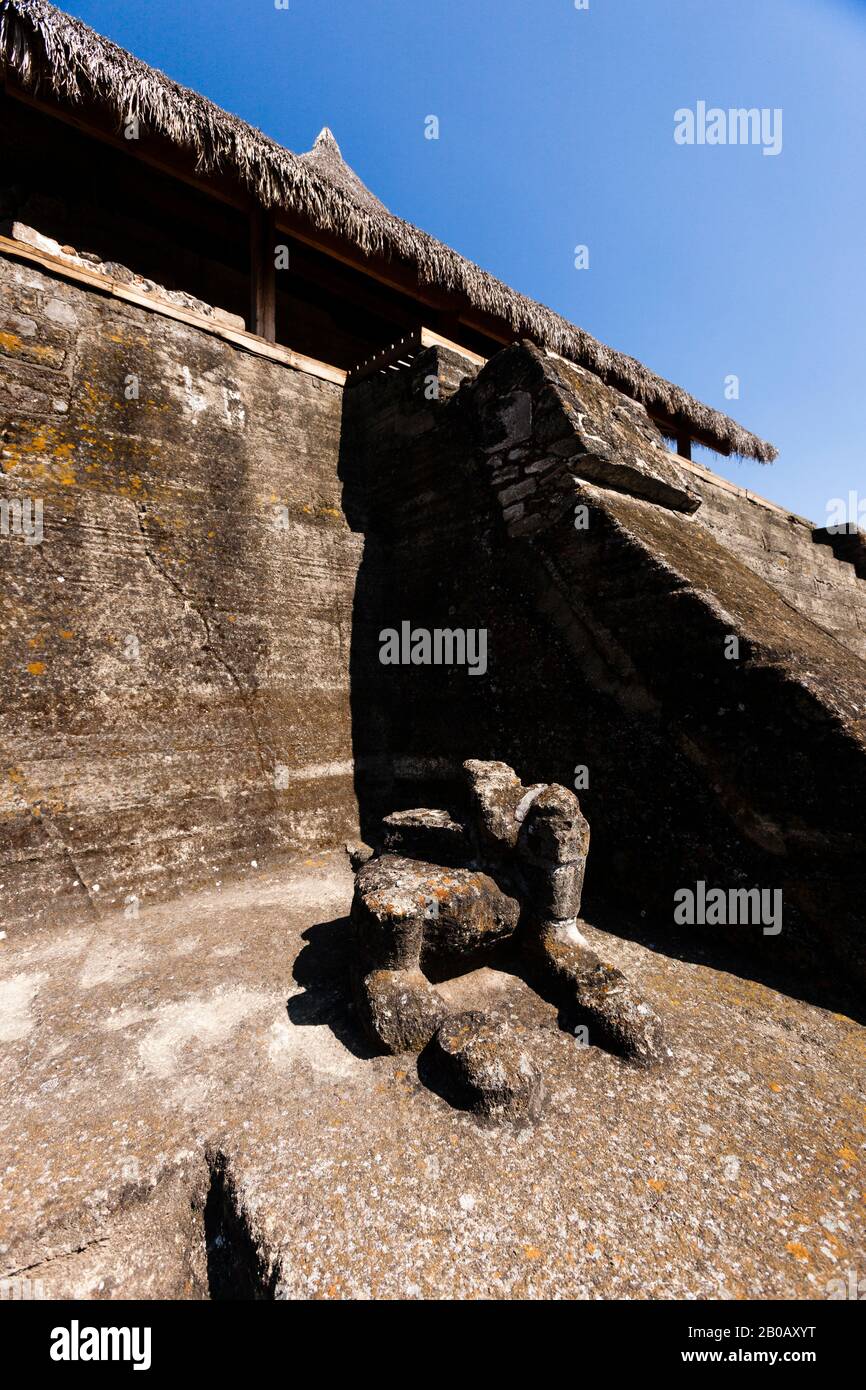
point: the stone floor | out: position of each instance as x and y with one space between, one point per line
187 1110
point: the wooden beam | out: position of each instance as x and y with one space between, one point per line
684 445
401 353
674 429
263 275
95 280
431 339
169 159
160 154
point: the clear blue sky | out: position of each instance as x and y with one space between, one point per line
556 128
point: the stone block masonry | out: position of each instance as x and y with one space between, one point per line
190 647
784 550
175 652
542 504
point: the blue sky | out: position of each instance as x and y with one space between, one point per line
556 129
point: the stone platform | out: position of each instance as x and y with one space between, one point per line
188 1109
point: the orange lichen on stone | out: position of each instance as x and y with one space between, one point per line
794 1247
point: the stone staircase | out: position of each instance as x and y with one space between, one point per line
722 729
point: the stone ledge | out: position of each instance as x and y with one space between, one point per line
73 268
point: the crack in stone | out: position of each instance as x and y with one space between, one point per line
48 822
51 1259
189 605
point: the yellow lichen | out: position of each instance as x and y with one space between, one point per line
793 1247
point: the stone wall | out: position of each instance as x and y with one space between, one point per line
190 645
779 546
606 656
175 651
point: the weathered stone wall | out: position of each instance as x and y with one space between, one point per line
175 651
607 651
190 647
778 546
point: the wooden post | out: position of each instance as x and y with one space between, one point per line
684 445
263 278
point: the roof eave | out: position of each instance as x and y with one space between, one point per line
41 44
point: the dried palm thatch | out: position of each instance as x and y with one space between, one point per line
44 48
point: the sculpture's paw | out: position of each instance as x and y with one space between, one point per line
485 1064
498 800
613 1011
629 1025
401 1009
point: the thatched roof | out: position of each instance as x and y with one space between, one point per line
326 160
43 48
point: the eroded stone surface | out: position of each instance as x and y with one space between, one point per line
348 1179
560 416
156 732
406 910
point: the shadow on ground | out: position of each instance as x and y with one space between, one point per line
708 946
322 970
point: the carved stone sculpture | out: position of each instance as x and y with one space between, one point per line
439 897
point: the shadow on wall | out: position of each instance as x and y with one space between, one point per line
431 560
435 556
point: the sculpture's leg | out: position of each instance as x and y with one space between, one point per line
397 1004
406 912
605 1002
400 1007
